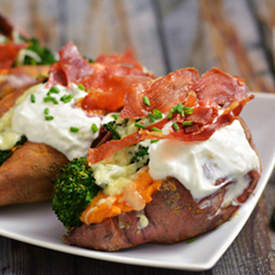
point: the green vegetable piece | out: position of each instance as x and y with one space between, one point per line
156 129
179 108
138 125
146 100
50 99
32 98
74 190
187 123
53 90
66 98
46 111
46 56
74 129
151 118
175 126
157 113
188 110
49 117
115 116
111 127
94 128
81 87
140 154
154 140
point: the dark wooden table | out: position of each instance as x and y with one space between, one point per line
234 35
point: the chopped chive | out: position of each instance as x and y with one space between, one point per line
154 140
46 111
175 126
94 128
66 98
146 100
53 90
170 115
32 98
49 117
115 116
50 99
151 117
81 86
187 123
188 110
179 108
74 129
156 129
157 113
138 125
191 240
182 114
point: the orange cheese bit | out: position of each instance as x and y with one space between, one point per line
142 189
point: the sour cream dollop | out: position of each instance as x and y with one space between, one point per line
227 154
29 119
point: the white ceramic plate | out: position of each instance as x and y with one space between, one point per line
37 225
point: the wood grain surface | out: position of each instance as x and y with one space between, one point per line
234 35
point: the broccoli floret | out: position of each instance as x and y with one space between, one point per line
5 154
74 190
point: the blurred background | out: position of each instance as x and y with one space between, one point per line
237 35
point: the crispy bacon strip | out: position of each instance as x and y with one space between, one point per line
8 53
114 76
72 67
216 88
163 93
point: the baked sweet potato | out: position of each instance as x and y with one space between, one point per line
172 216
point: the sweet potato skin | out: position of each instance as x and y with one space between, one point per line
29 174
173 216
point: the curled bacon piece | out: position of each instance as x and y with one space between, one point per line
114 76
9 52
72 67
163 93
216 88
217 98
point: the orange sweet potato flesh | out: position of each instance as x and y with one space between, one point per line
29 174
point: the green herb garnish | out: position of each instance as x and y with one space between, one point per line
66 98
32 98
94 128
50 99
156 129
187 123
146 100
49 117
157 113
74 129
175 126
53 90
138 125
46 111
81 87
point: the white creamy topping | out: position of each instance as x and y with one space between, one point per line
226 154
29 120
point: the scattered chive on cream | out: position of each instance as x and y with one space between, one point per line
32 98
66 98
74 129
49 117
146 100
81 87
138 125
187 123
115 116
94 128
175 126
50 99
46 111
53 90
